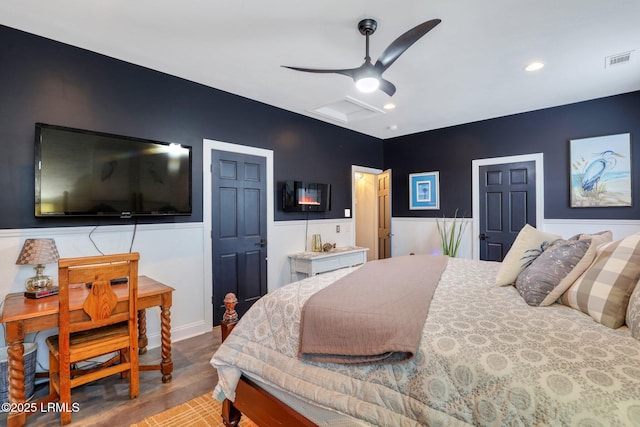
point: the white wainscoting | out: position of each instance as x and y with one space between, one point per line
570 227
295 236
420 235
169 253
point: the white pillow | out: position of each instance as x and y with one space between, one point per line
528 245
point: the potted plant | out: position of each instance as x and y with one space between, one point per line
451 234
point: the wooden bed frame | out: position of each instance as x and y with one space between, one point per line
261 407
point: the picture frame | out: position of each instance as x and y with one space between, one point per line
424 190
600 171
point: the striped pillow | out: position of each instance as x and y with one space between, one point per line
603 290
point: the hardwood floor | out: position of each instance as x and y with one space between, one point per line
106 402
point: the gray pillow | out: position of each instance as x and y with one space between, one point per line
554 271
633 313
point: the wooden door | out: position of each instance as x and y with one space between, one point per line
507 196
238 229
384 215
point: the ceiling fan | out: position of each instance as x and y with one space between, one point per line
368 77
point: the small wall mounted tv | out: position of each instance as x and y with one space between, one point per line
86 173
299 196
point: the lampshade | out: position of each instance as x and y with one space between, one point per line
38 251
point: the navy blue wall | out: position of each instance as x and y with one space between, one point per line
451 150
46 81
50 82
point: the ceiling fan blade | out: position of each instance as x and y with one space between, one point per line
346 72
387 87
403 43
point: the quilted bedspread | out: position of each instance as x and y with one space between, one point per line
485 358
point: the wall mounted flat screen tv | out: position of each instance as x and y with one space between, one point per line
85 173
298 196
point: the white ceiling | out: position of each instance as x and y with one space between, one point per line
469 68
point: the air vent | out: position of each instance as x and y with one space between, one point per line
348 110
619 59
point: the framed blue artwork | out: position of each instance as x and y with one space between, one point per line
601 171
424 190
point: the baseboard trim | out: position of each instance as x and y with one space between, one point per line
180 333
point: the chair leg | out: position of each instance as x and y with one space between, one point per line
65 404
124 357
65 393
54 370
134 374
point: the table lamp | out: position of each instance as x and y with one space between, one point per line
38 252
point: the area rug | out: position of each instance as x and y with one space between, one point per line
203 411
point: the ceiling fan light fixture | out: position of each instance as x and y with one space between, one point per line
534 66
367 84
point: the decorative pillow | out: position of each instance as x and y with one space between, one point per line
528 245
597 239
554 271
633 313
603 290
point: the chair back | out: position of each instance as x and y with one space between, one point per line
106 287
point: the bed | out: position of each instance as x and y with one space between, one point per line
486 356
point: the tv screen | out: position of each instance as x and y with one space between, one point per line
298 196
85 173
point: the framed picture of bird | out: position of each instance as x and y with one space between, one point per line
601 171
424 191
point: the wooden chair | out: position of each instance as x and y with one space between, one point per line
107 323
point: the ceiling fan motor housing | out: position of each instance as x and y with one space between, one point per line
367 26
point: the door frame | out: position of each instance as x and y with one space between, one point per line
207 146
538 158
361 169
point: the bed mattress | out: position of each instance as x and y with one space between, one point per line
485 358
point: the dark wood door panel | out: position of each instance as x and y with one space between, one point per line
384 215
507 203
238 235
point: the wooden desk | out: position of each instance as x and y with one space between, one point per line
22 316
312 263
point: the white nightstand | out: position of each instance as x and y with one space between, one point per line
311 263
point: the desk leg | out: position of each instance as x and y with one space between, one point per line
15 352
166 366
143 341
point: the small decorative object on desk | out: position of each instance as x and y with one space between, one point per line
41 293
316 243
328 246
38 252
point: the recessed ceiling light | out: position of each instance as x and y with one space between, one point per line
389 106
534 66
